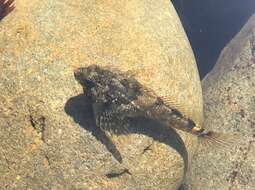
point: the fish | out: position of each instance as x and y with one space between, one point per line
6 6
118 97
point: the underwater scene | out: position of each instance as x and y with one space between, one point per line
127 95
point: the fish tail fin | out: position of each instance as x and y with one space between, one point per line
216 139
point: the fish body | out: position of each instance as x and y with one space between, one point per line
118 97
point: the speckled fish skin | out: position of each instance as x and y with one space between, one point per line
117 97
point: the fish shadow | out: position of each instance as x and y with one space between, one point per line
80 109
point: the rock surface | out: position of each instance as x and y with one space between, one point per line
229 95
48 137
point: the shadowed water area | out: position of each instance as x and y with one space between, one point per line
211 24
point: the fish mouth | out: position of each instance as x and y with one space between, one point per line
82 76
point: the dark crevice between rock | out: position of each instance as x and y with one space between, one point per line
7 162
38 124
47 158
6 7
148 148
118 174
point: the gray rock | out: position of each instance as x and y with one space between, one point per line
229 95
48 136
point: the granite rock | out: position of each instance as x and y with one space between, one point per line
229 96
48 138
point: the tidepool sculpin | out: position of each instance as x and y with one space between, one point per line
117 97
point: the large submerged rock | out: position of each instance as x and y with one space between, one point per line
229 91
48 138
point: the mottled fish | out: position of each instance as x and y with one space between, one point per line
117 96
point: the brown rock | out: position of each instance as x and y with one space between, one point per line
41 43
229 91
